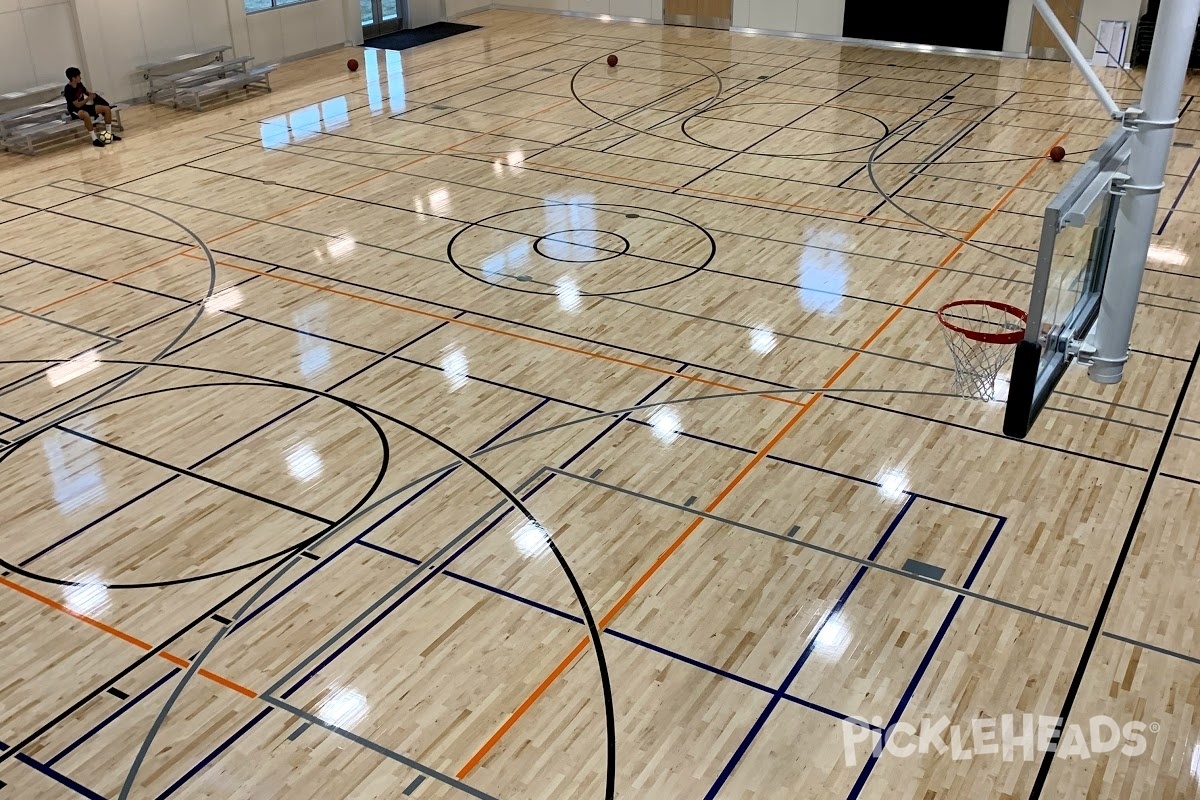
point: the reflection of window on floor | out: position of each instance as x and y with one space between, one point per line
314 352
264 5
570 213
304 123
507 263
75 468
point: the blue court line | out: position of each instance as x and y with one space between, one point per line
121 709
429 486
911 689
55 775
335 652
279 595
210 757
439 568
809 648
581 406
627 637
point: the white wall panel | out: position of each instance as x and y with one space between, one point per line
773 15
821 16
166 28
37 42
590 6
422 12
50 31
299 28
639 9
266 36
330 23
210 23
16 64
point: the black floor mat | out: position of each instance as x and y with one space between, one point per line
402 40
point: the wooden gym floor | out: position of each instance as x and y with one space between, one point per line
340 426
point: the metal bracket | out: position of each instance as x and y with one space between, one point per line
1136 189
1081 351
1132 118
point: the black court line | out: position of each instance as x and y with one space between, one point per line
258 429
484 315
189 473
726 53
147 657
990 434
714 230
773 130
1178 197
1097 624
900 140
59 323
714 369
498 190
945 149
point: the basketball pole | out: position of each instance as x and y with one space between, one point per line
1154 128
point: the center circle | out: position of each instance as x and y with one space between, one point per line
572 250
581 245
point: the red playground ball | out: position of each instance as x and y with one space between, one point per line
352 65
612 61
1057 154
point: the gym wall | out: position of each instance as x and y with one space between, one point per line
36 43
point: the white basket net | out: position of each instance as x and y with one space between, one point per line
981 335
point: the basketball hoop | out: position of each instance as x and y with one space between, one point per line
981 335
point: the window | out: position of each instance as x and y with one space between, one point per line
253 6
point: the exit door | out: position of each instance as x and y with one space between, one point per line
379 17
1042 43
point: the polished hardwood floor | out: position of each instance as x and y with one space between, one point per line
494 423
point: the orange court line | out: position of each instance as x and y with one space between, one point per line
125 637
185 252
96 286
629 593
500 331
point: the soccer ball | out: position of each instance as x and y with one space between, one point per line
104 136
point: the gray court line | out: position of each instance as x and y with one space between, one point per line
429 564
1089 415
412 787
862 562
1163 650
946 147
745 327
375 747
212 282
52 321
294 735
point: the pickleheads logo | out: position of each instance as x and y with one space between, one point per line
1010 737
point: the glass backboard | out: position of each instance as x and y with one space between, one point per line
1076 240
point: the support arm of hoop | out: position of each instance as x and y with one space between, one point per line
1078 59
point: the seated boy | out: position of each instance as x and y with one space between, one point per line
86 105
